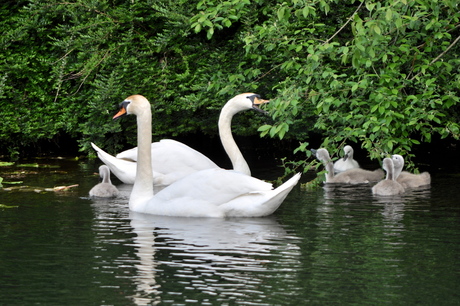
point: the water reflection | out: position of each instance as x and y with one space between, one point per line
329 246
393 206
361 241
222 259
213 256
147 292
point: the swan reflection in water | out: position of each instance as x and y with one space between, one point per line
393 206
213 256
220 258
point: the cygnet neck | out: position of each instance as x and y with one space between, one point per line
389 168
330 170
105 174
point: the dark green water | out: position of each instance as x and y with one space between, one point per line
327 247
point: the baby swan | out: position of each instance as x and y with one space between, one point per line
346 162
351 176
104 189
388 186
406 179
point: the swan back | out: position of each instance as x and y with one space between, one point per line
358 176
104 189
171 161
388 186
219 193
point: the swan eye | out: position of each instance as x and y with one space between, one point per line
124 104
252 97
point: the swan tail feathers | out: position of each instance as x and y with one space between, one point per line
281 193
268 203
120 168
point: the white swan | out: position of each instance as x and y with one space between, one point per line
166 171
406 179
172 160
346 162
207 193
388 186
105 189
351 176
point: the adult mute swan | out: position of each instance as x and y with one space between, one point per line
406 179
105 189
172 160
346 162
388 186
207 193
351 176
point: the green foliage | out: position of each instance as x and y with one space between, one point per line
67 65
383 74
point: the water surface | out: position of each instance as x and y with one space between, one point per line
338 245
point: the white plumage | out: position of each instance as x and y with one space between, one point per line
207 193
173 160
346 162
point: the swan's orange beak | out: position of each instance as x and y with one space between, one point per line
123 109
120 113
257 103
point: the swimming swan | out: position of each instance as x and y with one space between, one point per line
351 176
388 186
105 189
172 160
166 170
346 162
207 193
406 179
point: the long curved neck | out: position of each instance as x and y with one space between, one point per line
390 176
397 170
350 155
105 173
390 168
229 144
143 184
330 171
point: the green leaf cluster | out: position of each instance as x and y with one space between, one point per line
66 66
382 74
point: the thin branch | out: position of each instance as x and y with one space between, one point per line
348 21
335 34
268 72
107 54
438 57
